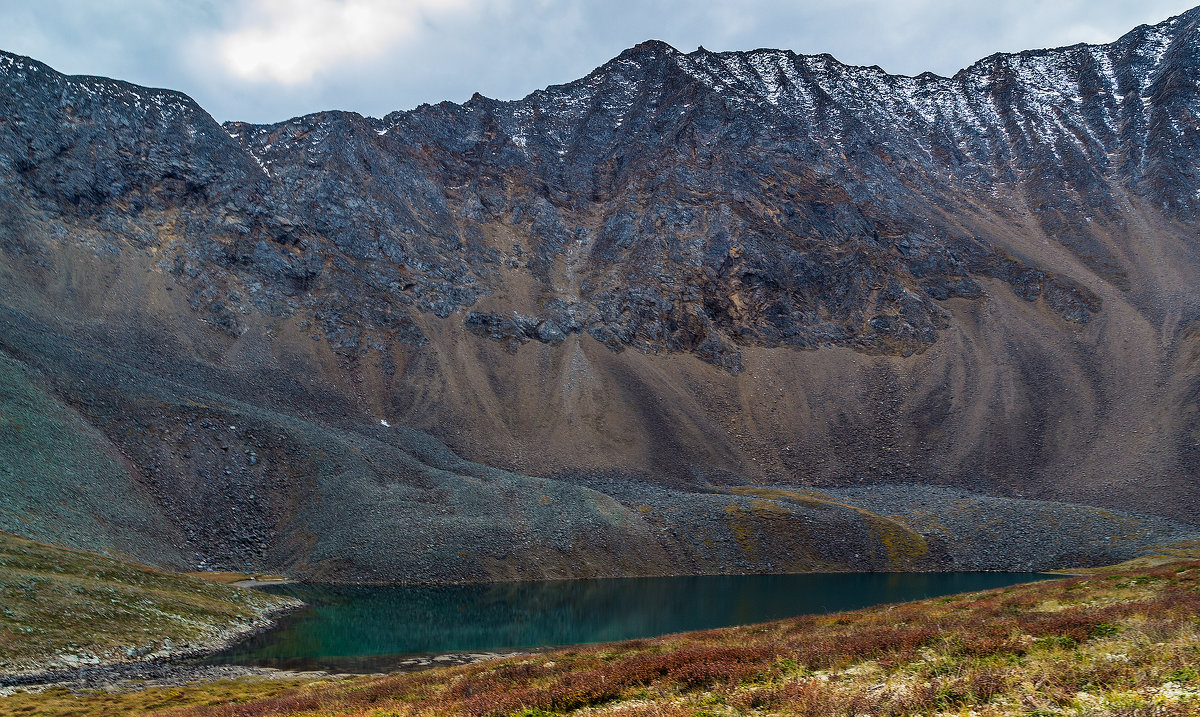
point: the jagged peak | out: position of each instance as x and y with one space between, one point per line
639 58
650 48
1187 16
822 61
644 54
10 61
1158 33
1139 34
98 86
312 119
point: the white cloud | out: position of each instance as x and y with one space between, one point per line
1086 32
290 42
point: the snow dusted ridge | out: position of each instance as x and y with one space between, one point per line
166 104
1086 100
1089 100
1012 251
1002 116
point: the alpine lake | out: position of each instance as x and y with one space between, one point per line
360 628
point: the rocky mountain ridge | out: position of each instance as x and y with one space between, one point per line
691 270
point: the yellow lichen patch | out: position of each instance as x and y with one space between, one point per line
741 523
768 507
904 547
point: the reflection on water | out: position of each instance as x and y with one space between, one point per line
368 628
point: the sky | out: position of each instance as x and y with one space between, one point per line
270 60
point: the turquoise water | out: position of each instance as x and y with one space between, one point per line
370 628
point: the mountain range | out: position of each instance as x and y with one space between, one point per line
695 312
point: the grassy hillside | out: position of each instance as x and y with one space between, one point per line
63 608
1120 643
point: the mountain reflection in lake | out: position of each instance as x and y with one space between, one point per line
369 628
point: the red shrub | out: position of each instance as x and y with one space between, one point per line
494 705
986 684
1074 624
810 698
707 673
581 690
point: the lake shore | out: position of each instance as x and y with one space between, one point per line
181 670
169 662
1119 641
64 612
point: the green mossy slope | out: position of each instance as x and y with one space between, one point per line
62 608
65 483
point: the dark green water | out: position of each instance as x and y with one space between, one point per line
369 628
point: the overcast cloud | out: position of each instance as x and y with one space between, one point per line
268 60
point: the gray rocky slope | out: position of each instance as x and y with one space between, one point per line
654 297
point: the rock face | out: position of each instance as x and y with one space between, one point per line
685 271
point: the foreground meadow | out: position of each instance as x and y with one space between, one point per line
1126 642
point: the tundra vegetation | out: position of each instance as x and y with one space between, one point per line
1123 641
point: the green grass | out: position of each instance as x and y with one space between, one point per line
62 608
61 702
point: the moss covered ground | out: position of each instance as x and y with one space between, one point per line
130 700
63 482
63 608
